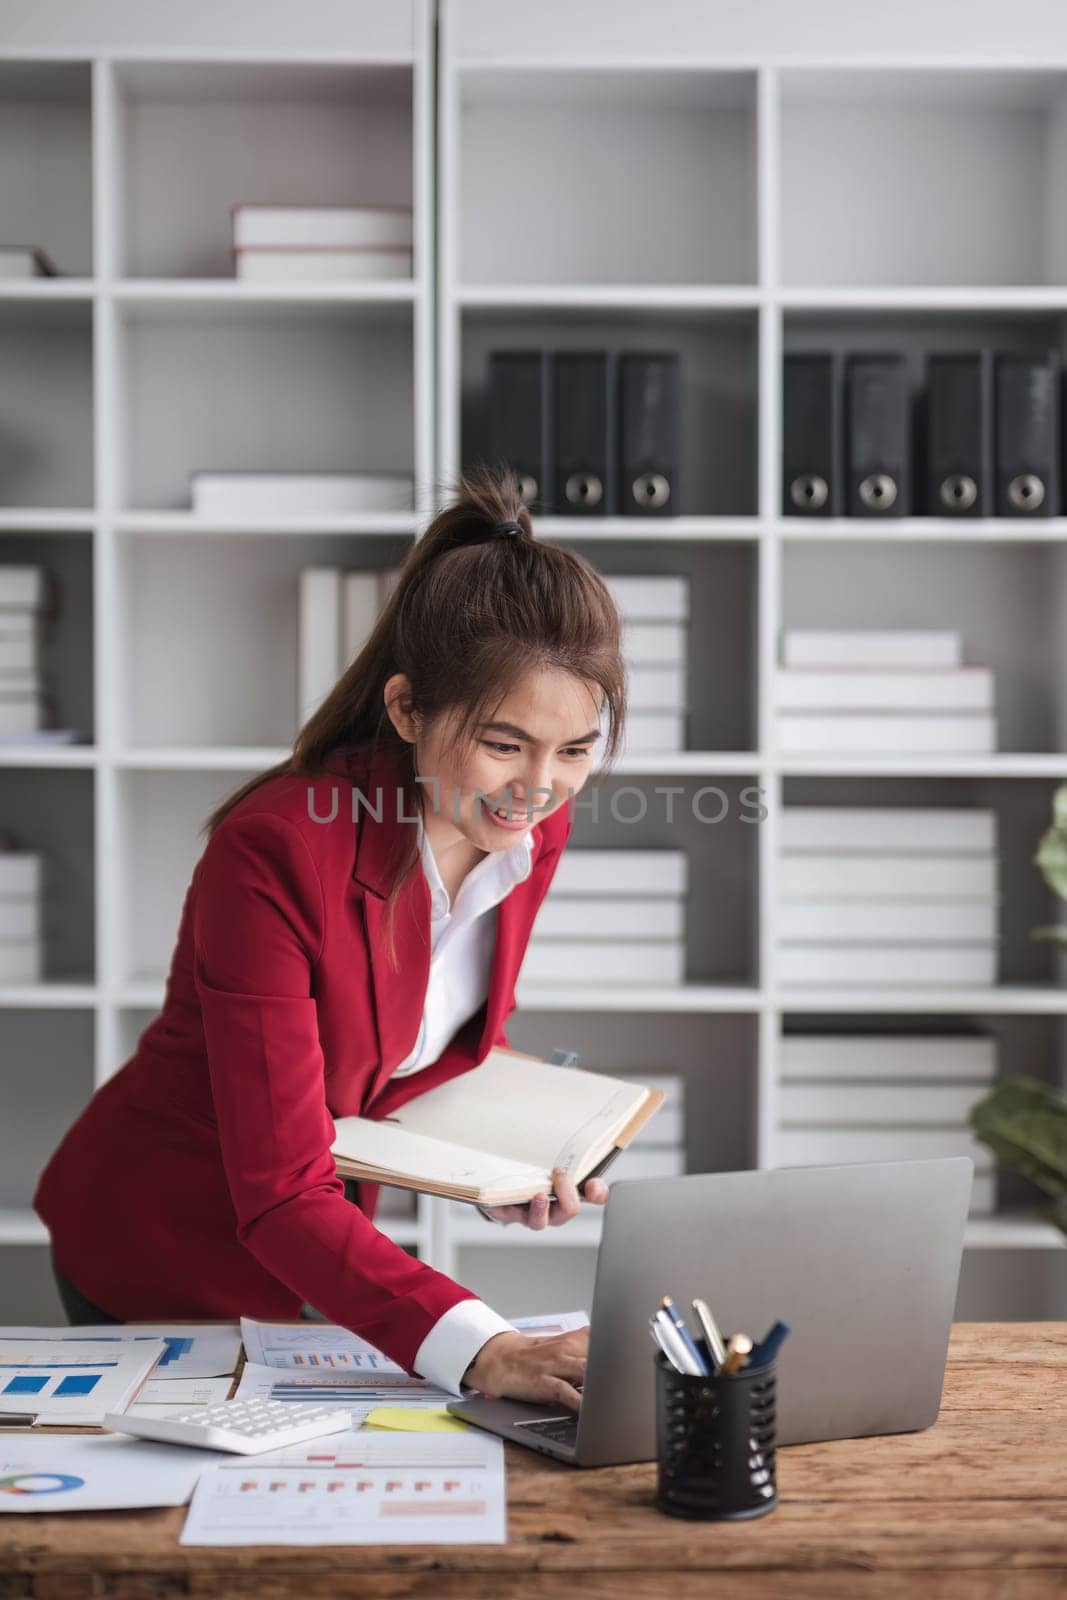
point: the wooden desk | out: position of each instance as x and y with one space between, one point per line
974 1507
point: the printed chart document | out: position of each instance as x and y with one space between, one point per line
73 1381
82 1472
356 1488
210 1350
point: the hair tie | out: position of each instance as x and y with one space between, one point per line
502 530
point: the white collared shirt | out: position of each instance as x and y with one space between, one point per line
462 940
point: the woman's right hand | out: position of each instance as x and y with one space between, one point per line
524 1366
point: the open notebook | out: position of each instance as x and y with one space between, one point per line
492 1135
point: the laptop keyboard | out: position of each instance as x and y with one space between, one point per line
561 1430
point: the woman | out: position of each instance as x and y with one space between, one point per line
351 937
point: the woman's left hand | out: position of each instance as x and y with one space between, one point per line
539 1213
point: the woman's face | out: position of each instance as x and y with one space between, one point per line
536 749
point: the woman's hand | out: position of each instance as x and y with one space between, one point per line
540 1213
526 1366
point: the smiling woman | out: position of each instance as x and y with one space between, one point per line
338 967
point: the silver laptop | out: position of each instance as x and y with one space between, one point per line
862 1262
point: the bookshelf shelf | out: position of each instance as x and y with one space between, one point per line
713 194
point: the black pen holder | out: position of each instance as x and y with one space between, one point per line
715 1442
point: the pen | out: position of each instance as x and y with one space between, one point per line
713 1338
668 1306
765 1352
657 1339
684 1358
738 1347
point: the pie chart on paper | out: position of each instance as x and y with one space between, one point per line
40 1483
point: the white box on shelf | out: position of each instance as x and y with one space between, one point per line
319 636
887 921
340 227
598 917
647 1161
899 1056
910 828
245 495
655 687
19 653
20 917
621 872
650 599
814 1146
20 872
348 266
949 689
604 962
23 713
965 733
23 588
871 647
666 642
651 732
21 961
912 965
821 875
896 1105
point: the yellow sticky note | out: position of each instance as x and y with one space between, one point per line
415 1419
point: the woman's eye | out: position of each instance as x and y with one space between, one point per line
502 749
577 750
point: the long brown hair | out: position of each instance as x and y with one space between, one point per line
469 616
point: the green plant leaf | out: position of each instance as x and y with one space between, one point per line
1051 854
1024 1123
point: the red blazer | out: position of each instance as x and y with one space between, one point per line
198 1181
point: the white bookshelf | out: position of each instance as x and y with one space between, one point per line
704 237
726 229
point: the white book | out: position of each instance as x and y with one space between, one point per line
319 642
621 872
606 961
871 647
493 1135
666 642
325 227
360 607
818 875
21 714
597 917
20 872
22 588
873 966
20 917
817 1147
19 623
650 599
26 261
902 689
640 1160
21 961
19 652
42 736
284 494
652 732
295 265
887 921
20 685
900 1056
899 1105
965 733
655 687
941 828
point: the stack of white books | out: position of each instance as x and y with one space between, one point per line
21 959
876 896
846 1097
273 244
611 916
884 692
337 613
655 617
244 496
24 697
658 1148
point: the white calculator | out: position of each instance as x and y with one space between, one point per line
243 1426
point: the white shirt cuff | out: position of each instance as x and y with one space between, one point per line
454 1341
